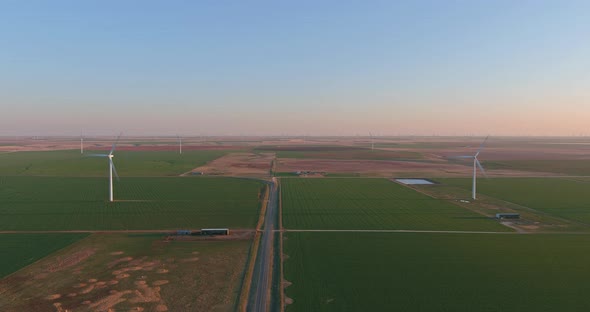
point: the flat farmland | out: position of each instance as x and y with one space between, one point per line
67 203
371 204
337 152
120 272
436 272
128 163
20 250
557 166
563 197
365 154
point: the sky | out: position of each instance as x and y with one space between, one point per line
295 67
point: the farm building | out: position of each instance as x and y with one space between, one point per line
214 231
508 215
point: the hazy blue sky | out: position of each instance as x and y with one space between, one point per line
295 67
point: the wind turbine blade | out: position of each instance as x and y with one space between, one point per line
115 144
482 146
481 168
97 155
114 169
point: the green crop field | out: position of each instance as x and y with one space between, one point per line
337 152
437 272
567 198
128 163
69 203
349 203
20 250
568 167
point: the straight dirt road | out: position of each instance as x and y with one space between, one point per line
261 280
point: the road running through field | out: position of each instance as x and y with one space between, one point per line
261 281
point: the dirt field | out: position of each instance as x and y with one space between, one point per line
135 272
239 164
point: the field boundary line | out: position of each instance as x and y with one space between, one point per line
188 173
418 231
103 231
247 282
263 208
44 257
414 189
540 212
515 207
453 202
272 247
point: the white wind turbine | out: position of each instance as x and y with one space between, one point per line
112 169
179 143
476 164
81 144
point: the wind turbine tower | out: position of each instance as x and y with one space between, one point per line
180 144
476 164
112 169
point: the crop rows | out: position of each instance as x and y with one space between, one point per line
50 203
20 250
567 198
371 204
436 272
128 163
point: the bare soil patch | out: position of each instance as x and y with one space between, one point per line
122 276
53 297
105 285
110 301
86 290
239 164
115 262
161 308
64 262
160 282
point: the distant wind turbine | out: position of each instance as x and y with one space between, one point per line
372 141
112 169
476 164
179 143
81 144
